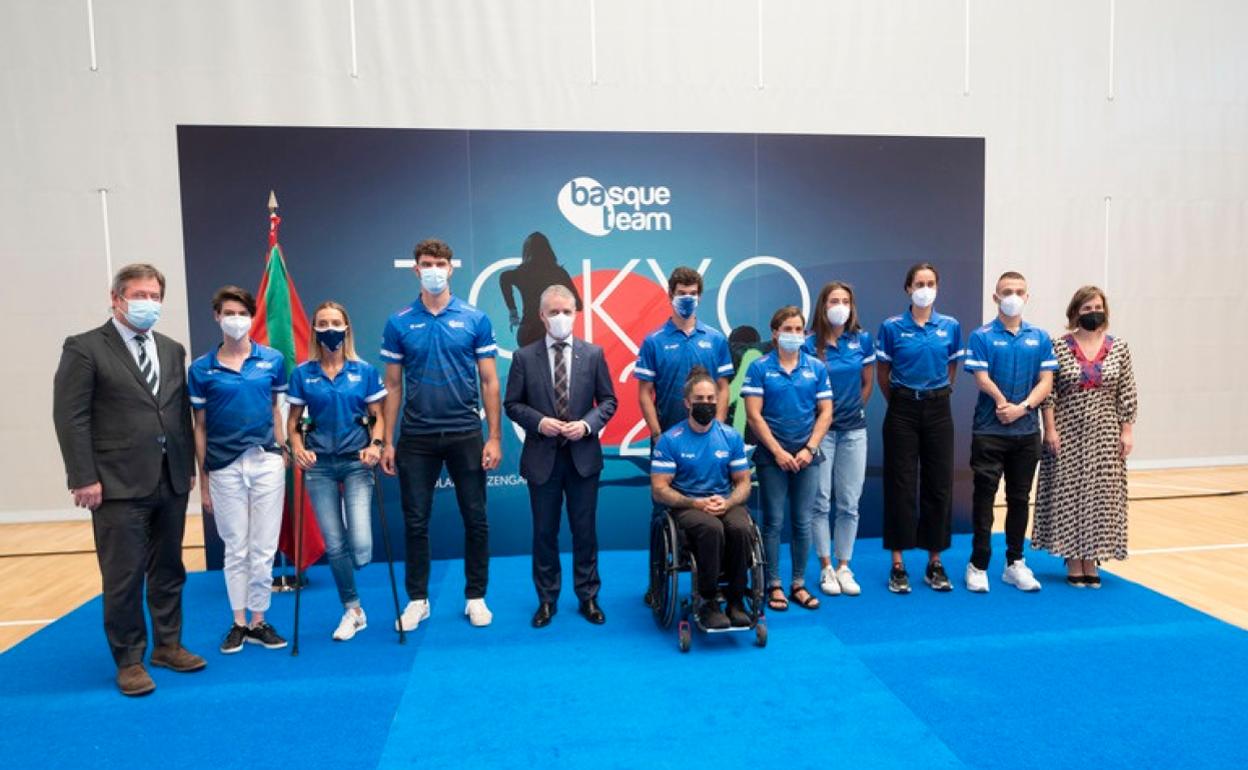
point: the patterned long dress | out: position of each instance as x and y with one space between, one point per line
1081 499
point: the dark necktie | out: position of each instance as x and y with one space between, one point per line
145 363
561 381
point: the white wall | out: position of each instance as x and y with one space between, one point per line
1170 148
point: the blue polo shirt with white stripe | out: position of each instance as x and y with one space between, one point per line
789 398
852 353
667 355
439 355
1013 362
237 406
919 355
702 463
336 405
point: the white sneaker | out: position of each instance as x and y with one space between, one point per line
1020 575
827 581
845 577
352 623
415 611
478 614
976 579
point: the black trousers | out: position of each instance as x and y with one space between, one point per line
918 453
720 545
547 502
420 460
136 539
992 456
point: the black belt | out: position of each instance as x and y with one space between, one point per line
921 395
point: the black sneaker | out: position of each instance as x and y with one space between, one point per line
936 578
265 635
713 618
233 641
899 581
737 615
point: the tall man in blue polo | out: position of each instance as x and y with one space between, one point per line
436 350
669 352
1013 364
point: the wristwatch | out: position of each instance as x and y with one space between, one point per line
811 449
378 443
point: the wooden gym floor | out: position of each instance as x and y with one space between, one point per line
1188 540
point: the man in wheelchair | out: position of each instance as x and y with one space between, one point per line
699 471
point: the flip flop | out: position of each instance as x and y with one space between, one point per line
811 601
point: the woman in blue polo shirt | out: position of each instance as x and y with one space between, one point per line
342 396
788 402
846 349
917 360
236 395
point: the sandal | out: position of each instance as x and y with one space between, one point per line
776 600
811 602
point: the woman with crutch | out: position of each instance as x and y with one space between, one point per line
338 449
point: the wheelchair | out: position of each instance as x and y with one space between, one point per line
670 556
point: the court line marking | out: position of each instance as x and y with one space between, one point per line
1198 490
1187 549
35 622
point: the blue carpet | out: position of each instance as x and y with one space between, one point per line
1120 677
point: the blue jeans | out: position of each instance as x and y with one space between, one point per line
842 475
777 490
349 541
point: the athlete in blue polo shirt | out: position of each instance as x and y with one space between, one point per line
918 353
671 351
699 472
436 349
846 348
235 393
1013 364
341 396
788 401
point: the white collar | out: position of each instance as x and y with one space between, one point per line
128 334
551 341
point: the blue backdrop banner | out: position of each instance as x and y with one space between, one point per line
767 219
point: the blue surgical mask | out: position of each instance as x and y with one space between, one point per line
685 305
331 339
433 279
791 342
142 313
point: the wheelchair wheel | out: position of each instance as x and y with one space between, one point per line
760 634
664 577
758 579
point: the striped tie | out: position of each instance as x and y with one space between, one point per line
145 363
561 381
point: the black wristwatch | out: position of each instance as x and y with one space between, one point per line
378 442
811 449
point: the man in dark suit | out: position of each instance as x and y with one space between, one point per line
560 392
123 420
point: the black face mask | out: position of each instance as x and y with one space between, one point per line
702 413
1092 321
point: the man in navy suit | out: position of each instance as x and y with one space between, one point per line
559 391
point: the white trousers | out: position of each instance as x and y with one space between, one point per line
247 499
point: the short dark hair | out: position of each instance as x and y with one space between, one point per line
915 268
134 272
433 248
784 314
1011 275
233 294
697 374
683 276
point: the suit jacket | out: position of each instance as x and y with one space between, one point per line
531 396
110 427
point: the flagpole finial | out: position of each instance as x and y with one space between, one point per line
272 201
274 219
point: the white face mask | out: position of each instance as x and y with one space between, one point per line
559 326
923 296
433 279
1012 306
838 314
236 326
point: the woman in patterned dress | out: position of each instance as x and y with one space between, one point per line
1081 503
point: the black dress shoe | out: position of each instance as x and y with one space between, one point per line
545 611
592 612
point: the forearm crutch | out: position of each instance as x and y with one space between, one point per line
368 421
300 492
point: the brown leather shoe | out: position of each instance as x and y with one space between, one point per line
134 680
177 659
